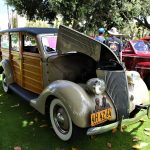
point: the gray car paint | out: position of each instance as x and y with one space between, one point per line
72 40
78 102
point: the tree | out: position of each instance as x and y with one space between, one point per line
86 15
134 10
37 23
91 14
34 9
14 19
15 22
81 15
134 15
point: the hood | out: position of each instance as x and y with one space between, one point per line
70 40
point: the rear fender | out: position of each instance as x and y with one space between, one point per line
6 67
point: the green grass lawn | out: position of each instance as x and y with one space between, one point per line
21 125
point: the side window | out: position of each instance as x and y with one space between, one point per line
15 41
29 44
5 41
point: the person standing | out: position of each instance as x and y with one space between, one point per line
114 43
100 37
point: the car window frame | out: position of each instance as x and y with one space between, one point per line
53 50
32 49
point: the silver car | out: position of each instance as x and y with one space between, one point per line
72 78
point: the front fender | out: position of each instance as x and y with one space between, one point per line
138 91
73 96
6 67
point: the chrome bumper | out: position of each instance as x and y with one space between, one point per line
124 122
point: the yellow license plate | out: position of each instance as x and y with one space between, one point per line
101 116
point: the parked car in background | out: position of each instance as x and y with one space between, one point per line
76 81
146 38
136 56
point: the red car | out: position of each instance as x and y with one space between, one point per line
136 56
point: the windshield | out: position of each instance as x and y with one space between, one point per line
49 43
141 46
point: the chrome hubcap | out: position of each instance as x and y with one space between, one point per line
61 119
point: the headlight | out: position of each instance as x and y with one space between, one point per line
96 85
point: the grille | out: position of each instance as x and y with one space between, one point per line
117 89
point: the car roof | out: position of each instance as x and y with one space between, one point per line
32 30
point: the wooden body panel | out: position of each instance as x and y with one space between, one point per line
16 65
26 64
32 72
5 53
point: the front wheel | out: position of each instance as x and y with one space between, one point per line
4 83
60 120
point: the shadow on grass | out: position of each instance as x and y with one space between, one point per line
21 125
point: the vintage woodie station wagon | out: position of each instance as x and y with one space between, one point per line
76 81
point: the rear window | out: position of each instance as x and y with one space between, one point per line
5 41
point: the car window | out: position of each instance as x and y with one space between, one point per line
5 41
29 40
30 44
49 43
15 41
141 46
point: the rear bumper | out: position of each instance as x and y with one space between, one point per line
121 123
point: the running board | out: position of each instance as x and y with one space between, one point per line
25 94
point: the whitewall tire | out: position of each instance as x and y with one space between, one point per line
60 120
4 83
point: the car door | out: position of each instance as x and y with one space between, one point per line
31 64
15 57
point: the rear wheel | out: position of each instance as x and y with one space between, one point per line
4 83
60 120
